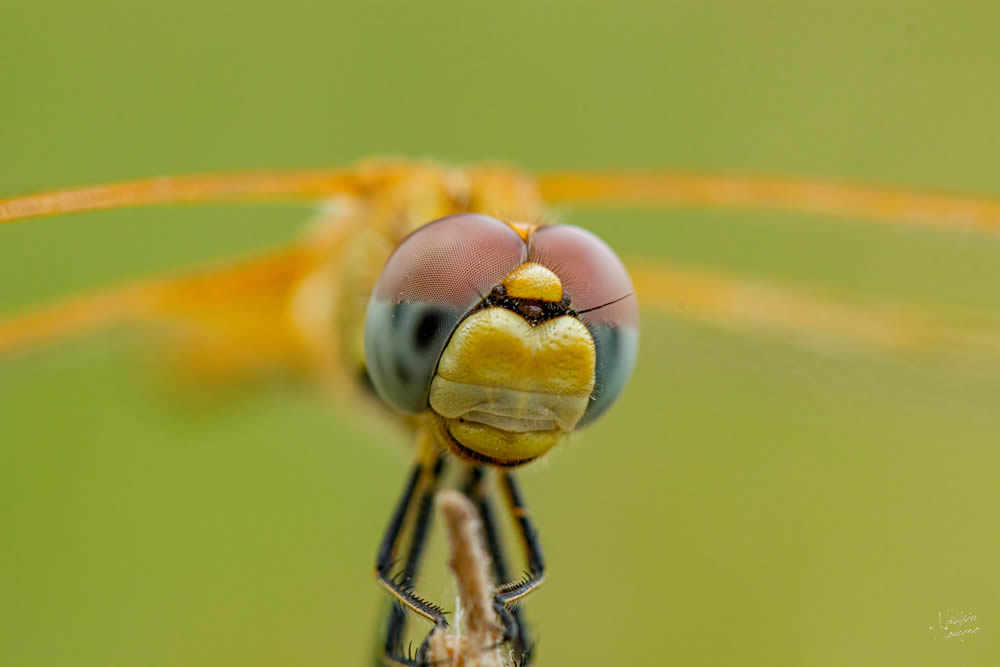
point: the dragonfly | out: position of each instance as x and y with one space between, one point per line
440 294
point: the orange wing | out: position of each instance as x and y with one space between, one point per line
197 188
810 317
225 322
663 188
248 316
841 199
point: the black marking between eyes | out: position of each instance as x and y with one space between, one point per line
534 311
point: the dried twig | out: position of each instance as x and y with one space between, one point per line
476 643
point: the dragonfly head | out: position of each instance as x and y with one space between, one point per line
512 335
517 372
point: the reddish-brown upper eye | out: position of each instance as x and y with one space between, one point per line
590 271
436 275
453 260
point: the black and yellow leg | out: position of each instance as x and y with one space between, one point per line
419 493
423 483
517 631
515 590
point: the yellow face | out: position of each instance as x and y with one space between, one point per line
510 335
507 388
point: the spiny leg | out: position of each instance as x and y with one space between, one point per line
407 576
514 591
517 633
401 585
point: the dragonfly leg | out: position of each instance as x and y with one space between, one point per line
535 576
423 479
515 627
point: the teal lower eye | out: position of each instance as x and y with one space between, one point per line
617 348
403 343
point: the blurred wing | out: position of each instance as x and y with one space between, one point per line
809 317
883 204
196 188
252 315
662 188
223 322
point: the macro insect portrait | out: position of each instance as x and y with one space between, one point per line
687 311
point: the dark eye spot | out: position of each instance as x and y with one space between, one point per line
428 326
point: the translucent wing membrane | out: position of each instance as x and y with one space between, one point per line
219 317
195 188
799 314
227 321
665 188
882 204
219 302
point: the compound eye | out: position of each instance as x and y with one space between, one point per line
432 280
595 281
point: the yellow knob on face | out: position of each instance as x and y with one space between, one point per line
533 281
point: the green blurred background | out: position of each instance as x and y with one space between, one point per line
750 501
